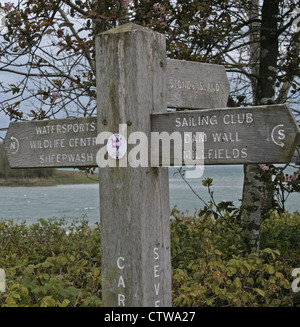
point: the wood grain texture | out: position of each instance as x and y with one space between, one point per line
263 134
194 85
134 210
52 143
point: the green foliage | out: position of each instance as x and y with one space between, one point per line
55 263
211 265
282 232
50 263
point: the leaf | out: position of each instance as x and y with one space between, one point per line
49 31
47 22
207 182
218 252
46 264
237 282
71 290
260 292
48 301
68 40
64 303
66 24
267 250
277 252
279 275
10 302
245 269
271 270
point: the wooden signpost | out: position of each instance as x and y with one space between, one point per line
135 85
262 134
67 142
134 209
194 85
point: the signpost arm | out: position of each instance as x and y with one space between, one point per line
134 202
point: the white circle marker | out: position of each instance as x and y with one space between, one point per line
116 146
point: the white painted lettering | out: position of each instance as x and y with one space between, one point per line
184 122
178 122
121 281
235 153
244 153
121 299
194 121
120 266
92 126
194 85
156 255
226 119
281 135
218 153
249 118
240 118
66 128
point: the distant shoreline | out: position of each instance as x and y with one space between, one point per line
61 177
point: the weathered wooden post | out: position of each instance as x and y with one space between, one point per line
134 84
134 214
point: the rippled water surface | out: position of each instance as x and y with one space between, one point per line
69 201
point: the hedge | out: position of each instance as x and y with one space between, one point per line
56 263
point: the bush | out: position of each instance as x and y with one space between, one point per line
211 266
55 263
50 263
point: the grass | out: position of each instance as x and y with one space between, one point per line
60 177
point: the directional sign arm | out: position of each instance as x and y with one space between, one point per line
67 142
263 134
194 85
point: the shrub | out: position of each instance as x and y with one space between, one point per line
56 263
50 263
211 266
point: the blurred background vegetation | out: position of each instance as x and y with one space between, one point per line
7 173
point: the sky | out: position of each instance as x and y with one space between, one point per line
13 79
4 120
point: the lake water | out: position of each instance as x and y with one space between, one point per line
74 201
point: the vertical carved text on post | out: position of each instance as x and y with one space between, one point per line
2 280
